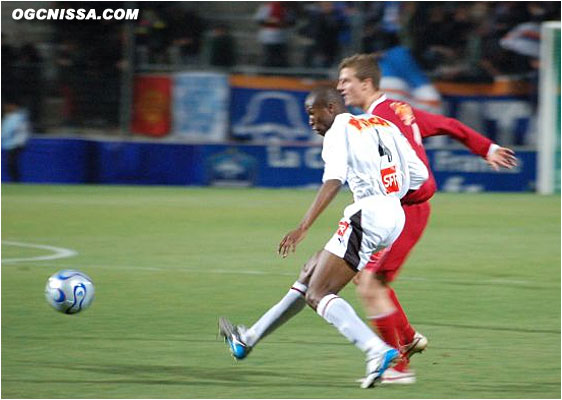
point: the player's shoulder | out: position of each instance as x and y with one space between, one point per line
397 111
341 122
393 103
342 118
370 120
338 127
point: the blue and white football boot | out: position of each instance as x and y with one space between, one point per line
377 364
233 339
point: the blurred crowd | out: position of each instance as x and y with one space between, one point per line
87 60
461 41
447 38
450 40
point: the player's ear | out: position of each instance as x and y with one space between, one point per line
367 83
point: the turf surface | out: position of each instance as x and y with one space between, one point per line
483 285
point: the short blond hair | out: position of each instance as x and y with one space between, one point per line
365 66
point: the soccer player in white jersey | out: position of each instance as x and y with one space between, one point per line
379 165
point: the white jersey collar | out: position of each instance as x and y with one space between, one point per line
376 103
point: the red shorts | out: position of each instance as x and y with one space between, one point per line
387 262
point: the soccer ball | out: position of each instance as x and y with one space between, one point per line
69 291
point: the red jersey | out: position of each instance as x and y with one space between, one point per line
416 124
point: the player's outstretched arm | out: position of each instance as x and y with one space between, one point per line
502 157
325 195
496 156
435 125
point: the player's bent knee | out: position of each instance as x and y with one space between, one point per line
370 288
367 293
308 269
311 299
313 296
384 278
364 291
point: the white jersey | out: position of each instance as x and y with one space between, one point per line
372 155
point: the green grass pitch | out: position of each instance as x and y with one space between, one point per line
483 285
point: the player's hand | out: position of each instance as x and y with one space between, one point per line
502 158
290 241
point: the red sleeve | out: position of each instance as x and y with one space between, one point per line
435 124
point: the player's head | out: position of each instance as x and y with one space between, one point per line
359 78
322 105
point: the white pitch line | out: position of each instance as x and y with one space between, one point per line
58 252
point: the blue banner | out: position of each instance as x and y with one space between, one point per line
200 106
264 166
54 160
262 115
262 112
461 171
298 166
147 163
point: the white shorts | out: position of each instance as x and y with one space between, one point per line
368 225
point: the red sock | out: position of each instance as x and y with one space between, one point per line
386 325
404 329
402 365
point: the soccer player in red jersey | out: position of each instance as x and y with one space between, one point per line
358 83
359 79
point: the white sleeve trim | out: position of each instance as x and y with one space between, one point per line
492 149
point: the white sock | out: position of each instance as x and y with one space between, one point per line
288 307
339 313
